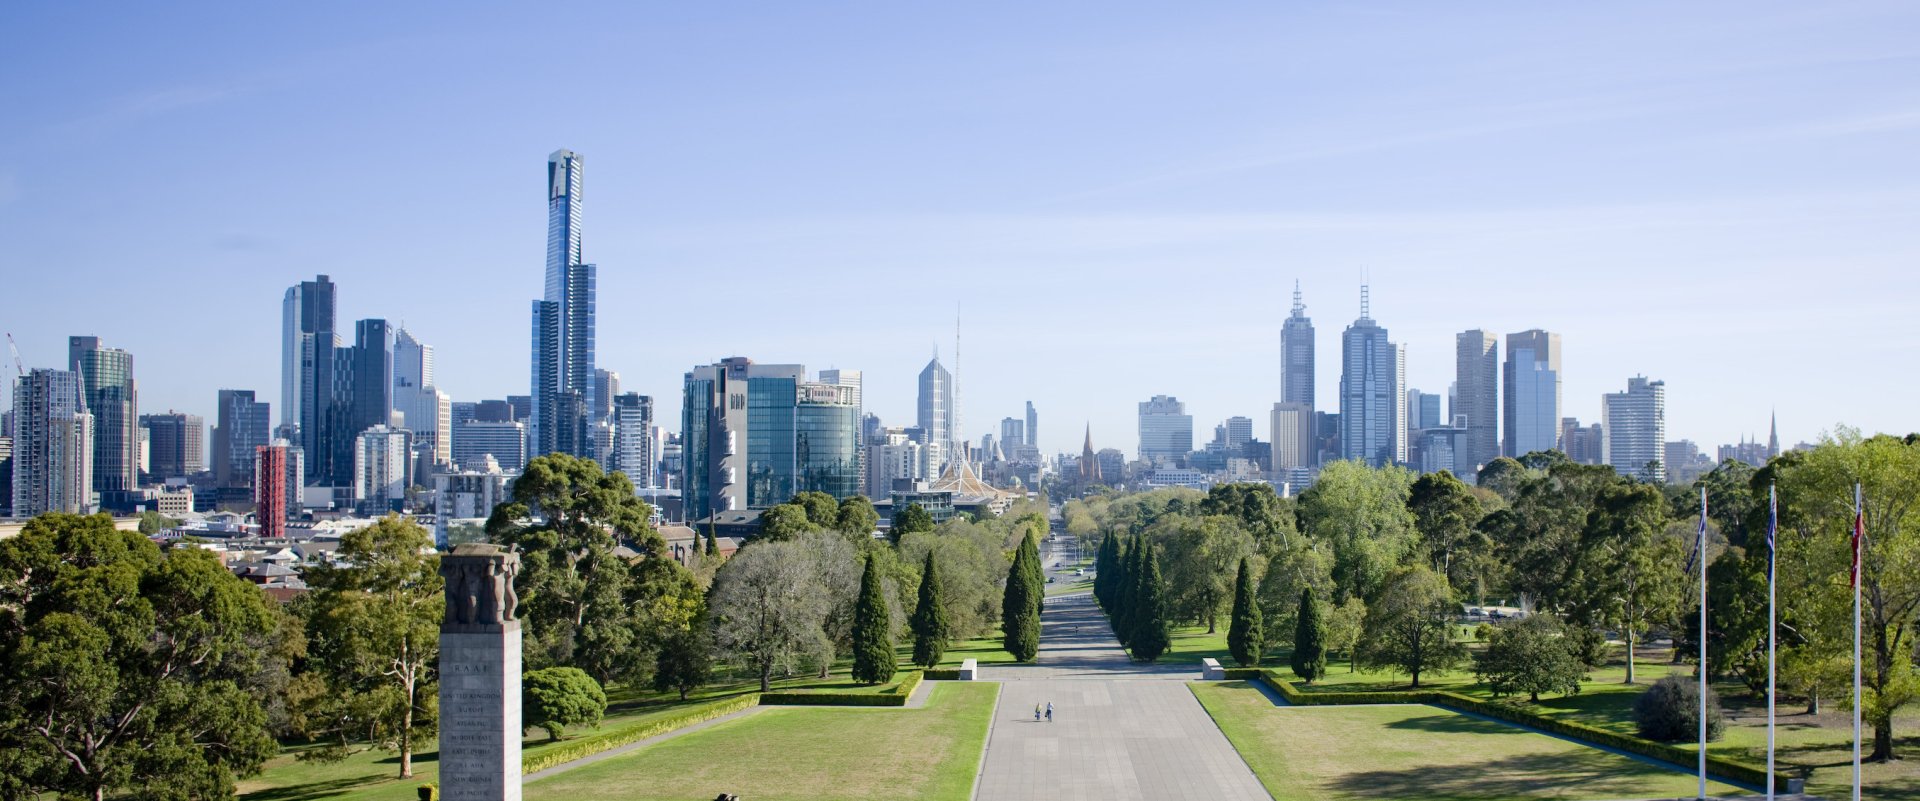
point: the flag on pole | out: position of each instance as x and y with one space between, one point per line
1859 530
1773 519
1773 627
1700 537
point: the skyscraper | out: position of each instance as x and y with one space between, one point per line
1166 431
1293 440
381 456
563 323
1532 384
1633 427
278 475
1296 357
1013 433
108 392
241 428
175 444
1477 399
755 435
633 451
851 380
424 409
1033 426
360 397
936 411
307 343
1370 395
53 444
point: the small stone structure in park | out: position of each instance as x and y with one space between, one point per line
480 676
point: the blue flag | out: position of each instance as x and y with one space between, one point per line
1700 538
1773 517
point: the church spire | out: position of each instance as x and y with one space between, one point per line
1773 434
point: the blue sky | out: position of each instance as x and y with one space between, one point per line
1117 197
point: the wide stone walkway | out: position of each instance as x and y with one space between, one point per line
1120 731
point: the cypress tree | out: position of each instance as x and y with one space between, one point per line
1150 636
1019 618
1245 637
1102 566
1309 658
713 546
1036 574
873 658
1124 590
929 619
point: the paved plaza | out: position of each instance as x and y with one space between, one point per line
1120 731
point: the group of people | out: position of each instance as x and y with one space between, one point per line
1048 710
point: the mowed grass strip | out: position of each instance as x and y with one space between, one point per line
811 754
1416 751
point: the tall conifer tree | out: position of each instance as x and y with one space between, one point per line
929 621
873 658
1245 637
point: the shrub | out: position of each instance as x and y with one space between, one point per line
558 697
1670 711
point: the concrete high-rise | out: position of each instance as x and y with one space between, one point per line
1370 396
1582 444
563 323
307 342
1633 428
504 440
1013 433
1033 426
241 427
381 457
1476 399
278 470
107 390
1532 393
53 444
633 446
1296 363
176 444
755 435
935 416
1166 431
1293 440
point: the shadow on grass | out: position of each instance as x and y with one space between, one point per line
312 791
1593 773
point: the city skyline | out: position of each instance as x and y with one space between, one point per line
1690 284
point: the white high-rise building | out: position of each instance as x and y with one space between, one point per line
381 457
1292 438
1634 429
1166 431
936 412
52 445
423 409
633 444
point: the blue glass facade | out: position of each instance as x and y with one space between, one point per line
563 322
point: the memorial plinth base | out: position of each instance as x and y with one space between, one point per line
480 713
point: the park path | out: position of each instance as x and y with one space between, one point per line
1121 731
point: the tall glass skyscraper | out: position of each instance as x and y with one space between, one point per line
758 434
935 415
107 390
307 341
563 323
1532 383
1370 396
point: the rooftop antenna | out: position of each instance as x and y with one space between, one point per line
955 433
1298 307
1365 303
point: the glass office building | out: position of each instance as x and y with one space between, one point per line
758 434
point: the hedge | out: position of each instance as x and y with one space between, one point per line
588 746
1242 674
892 696
942 674
1674 755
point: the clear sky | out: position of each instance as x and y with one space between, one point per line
1116 197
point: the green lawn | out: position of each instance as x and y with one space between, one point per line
1063 586
988 650
794 754
1415 751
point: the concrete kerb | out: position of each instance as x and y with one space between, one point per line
980 769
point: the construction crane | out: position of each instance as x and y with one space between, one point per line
15 350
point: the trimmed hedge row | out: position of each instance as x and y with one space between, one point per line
892 696
1242 674
942 674
1674 755
588 746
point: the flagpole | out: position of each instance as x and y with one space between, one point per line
1773 627
1700 543
1859 530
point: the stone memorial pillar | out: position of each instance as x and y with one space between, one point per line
480 676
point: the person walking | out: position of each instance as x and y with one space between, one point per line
1049 711
1036 713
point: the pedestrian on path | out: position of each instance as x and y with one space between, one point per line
1049 711
1036 713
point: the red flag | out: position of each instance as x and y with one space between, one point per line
1859 530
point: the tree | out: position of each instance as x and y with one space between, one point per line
374 633
1344 626
1150 636
1408 629
873 658
856 518
1201 555
1302 567
1309 659
912 519
713 544
1531 655
1445 513
1245 638
1105 563
785 522
973 572
566 518
686 654
1020 606
153 523
1504 476
929 618
1126 590
558 697
1360 513
769 608
822 510
1624 573
129 670
1669 711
